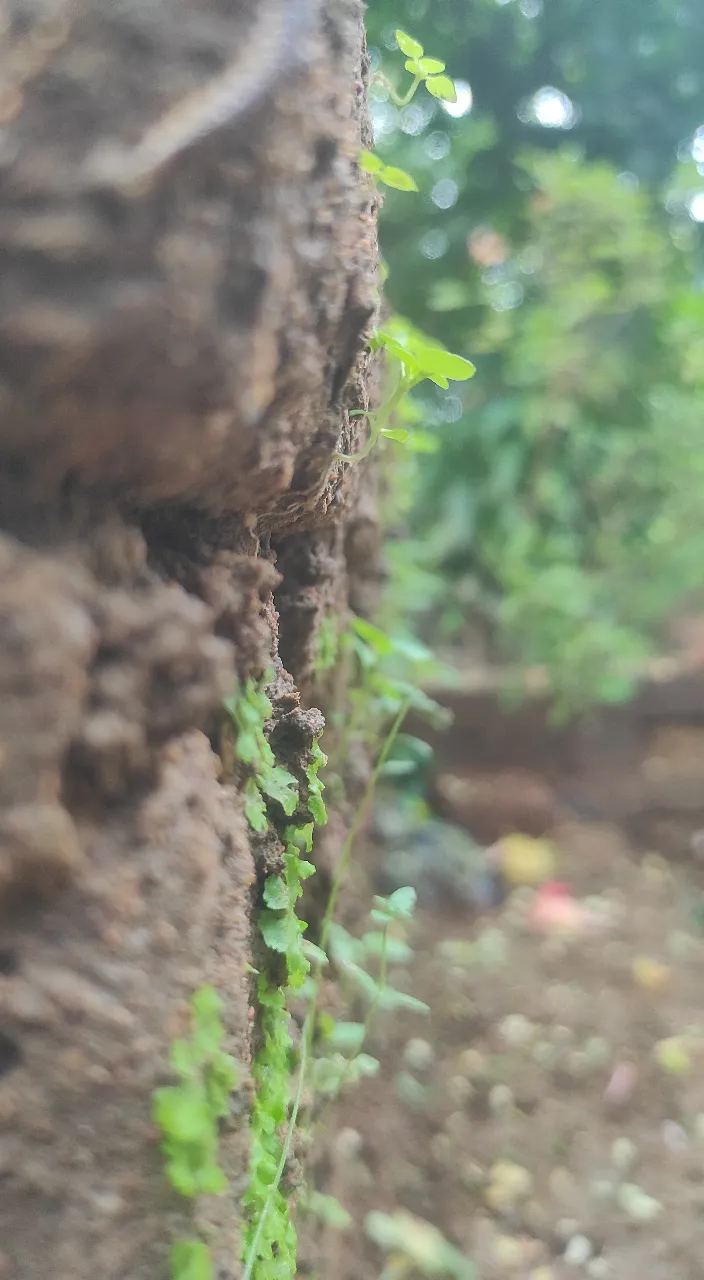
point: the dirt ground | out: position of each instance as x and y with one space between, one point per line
548 1114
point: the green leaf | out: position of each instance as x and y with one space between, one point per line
362 980
347 1037
212 1181
329 1210
190 1260
316 807
183 1114
182 1059
441 87
408 45
395 950
435 360
391 176
344 949
329 1073
413 66
365 1065
316 955
276 894
281 786
300 837
399 769
402 902
276 931
182 1177
431 66
206 1003
254 807
374 636
394 433
399 906
397 349
391 999
247 746
370 162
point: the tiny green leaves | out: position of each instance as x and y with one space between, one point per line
279 785
397 178
250 709
427 71
314 954
370 162
276 894
328 1210
399 906
424 67
281 932
348 1037
254 807
441 87
389 174
430 66
408 45
315 802
188 1115
190 1260
421 357
391 999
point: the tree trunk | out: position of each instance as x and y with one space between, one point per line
187 257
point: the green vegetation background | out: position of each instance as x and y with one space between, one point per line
562 508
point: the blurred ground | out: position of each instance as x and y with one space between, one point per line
548 1115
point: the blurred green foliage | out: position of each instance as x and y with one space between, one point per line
553 242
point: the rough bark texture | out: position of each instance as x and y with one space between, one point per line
187 258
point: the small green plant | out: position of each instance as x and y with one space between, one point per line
427 71
188 1116
415 358
250 708
343 1061
269 1241
389 174
389 670
269 1246
279 925
270 1237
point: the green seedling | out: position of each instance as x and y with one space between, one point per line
188 1116
416 359
426 71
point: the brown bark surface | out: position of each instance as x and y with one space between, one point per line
187 258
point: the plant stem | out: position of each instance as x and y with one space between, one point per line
360 814
382 417
285 1152
399 100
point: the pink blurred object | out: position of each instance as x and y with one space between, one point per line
621 1086
555 909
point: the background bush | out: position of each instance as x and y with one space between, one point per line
554 242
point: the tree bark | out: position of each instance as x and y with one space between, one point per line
187 268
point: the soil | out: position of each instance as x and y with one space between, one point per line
548 1114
